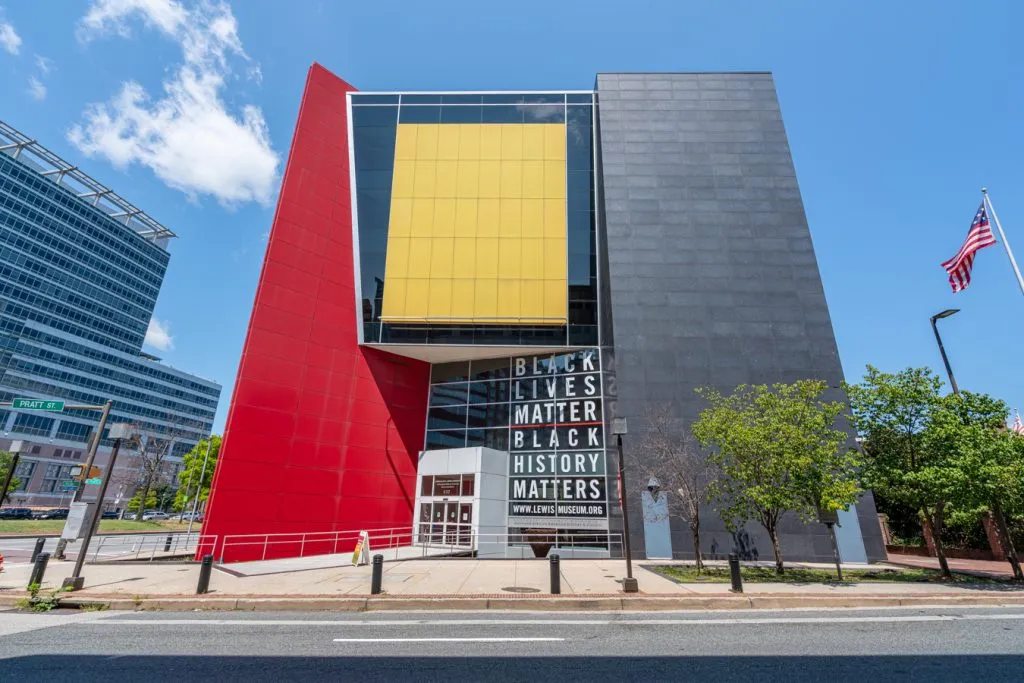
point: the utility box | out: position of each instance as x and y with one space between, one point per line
77 523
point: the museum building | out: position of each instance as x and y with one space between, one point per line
462 289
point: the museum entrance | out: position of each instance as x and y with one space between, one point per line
446 523
446 510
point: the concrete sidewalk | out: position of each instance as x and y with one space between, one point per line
447 577
464 584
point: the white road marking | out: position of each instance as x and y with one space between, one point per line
12 623
447 640
565 622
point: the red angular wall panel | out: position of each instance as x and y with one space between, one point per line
322 434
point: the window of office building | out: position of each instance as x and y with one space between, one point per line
24 472
73 431
27 423
53 475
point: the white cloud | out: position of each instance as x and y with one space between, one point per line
188 137
158 335
36 89
255 73
9 38
44 65
111 16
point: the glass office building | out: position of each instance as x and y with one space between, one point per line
80 272
497 275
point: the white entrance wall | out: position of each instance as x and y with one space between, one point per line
490 493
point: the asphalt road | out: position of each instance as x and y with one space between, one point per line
985 644
109 546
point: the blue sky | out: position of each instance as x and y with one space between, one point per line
897 113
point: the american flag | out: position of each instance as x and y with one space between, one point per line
978 237
1018 426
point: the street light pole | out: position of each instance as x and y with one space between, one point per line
942 350
87 469
199 490
118 433
629 584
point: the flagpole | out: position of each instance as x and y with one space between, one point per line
1006 245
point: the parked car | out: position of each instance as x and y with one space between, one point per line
15 513
53 513
154 515
109 514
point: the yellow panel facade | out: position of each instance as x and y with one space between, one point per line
463 299
533 218
463 257
533 142
477 230
445 178
533 179
405 142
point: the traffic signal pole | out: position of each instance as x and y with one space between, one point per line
76 581
58 554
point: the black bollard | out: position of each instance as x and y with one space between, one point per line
38 569
734 573
205 567
167 544
556 574
40 542
378 574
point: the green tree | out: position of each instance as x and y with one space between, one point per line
779 450
6 463
165 494
192 471
133 503
893 412
969 432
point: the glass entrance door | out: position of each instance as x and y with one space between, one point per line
437 526
446 523
465 524
451 523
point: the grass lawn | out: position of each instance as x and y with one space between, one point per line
688 574
54 526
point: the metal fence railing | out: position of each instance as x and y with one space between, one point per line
151 546
418 541
242 547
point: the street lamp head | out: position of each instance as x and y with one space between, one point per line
945 314
122 430
619 426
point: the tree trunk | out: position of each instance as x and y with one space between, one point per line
773 534
1011 553
695 530
142 500
937 521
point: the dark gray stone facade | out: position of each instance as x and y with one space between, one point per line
709 272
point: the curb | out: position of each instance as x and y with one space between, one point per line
538 604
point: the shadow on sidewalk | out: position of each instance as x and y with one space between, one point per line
513 668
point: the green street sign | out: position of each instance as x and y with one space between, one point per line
96 480
37 404
68 485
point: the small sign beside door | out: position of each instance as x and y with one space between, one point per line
448 486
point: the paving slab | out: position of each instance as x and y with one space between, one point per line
1000 569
